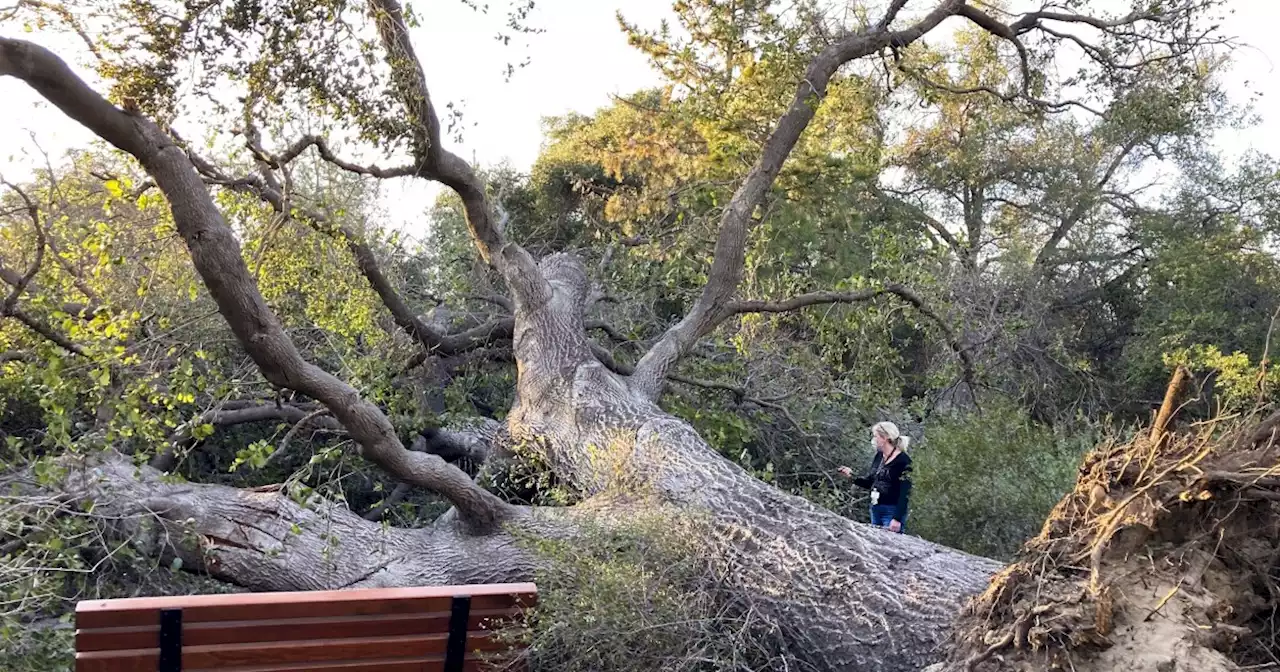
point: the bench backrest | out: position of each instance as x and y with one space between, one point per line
386 629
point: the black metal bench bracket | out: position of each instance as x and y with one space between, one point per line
170 640
455 652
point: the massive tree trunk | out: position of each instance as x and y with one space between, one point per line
850 596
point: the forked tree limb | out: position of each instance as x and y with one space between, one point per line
366 261
296 149
1123 28
216 255
727 264
20 282
33 211
518 269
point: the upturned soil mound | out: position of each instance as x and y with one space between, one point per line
1165 557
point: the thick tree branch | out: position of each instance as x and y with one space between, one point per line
16 356
1033 20
473 441
431 339
234 413
44 330
514 263
727 264
217 258
322 147
904 293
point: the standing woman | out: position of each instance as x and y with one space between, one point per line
888 480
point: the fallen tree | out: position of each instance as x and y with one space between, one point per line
844 595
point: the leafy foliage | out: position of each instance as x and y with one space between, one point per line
984 484
640 595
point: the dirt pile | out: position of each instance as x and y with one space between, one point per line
1165 556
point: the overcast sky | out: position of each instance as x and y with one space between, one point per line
575 65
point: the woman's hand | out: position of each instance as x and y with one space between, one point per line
846 472
895 526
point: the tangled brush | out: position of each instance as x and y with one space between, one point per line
1165 556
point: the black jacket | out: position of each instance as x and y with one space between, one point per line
891 481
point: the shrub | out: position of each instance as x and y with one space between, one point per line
984 483
643 595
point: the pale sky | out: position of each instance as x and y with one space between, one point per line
580 60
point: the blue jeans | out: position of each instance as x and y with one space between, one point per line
882 515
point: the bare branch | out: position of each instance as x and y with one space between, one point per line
514 263
322 146
1124 27
217 258
891 14
727 264
495 299
609 330
405 318
904 293
399 493
293 431
231 413
1033 20
20 286
740 393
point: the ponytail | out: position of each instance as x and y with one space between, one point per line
890 431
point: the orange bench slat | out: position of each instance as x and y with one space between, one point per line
144 611
324 627
317 650
433 663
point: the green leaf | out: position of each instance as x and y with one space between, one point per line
114 188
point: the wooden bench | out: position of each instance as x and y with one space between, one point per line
389 630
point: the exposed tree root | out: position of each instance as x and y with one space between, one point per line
1165 556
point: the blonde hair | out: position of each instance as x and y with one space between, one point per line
890 431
